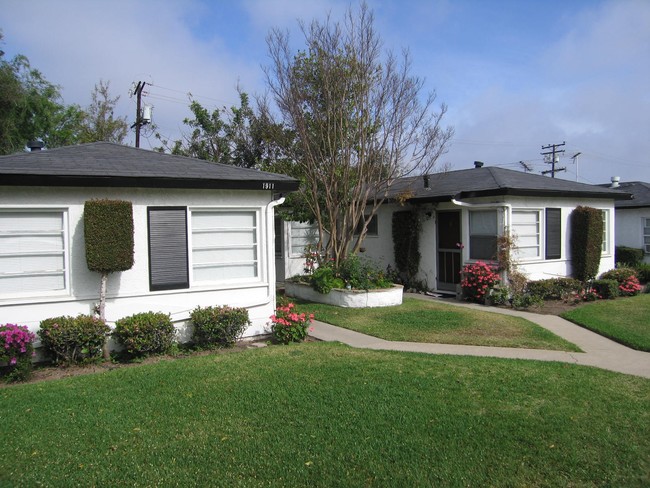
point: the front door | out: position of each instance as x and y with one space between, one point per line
449 252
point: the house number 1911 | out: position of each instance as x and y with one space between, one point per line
268 186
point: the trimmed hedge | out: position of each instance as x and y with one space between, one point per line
643 272
586 242
222 326
72 340
607 289
553 288
108 231
406 242
145 333
628 256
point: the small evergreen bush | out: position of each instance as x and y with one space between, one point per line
628 256
221 326
16 350
145 333
586 242
73 340
553 288
606 289
618 274
361 274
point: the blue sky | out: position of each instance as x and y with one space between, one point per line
515 75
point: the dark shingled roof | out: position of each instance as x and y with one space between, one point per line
640 191
493 181
102 164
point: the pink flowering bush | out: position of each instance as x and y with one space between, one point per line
289 325
477 279
588 294
16 350
630 287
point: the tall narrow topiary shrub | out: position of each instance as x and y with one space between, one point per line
108 232
406 243
586 242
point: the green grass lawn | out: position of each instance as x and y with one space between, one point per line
625 320
322 414
429 321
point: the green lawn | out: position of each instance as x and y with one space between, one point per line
429 321
625 320
322 414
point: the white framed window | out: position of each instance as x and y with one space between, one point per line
33 252
526 225
302 234
483 234
605 243
373 227
646 235
225 245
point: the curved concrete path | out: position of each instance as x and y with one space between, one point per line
598 351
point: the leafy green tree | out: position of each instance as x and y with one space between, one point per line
99 122
31 108
359 120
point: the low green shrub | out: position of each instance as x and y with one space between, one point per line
618 274
16 350
525 301
553 288
324 280
73 340
361 274
221 326
500 295
606 289
628 256
145 333
643 272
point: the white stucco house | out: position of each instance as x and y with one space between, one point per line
203 234
633 216
464 211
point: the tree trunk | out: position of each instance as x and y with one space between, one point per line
102 310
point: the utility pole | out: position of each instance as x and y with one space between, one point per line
554 158
138 114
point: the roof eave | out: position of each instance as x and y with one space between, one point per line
150 182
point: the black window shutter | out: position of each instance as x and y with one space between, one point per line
168 259
553 233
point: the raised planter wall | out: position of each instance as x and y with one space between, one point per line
385 297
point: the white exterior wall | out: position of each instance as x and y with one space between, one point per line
629 228
380 248
128 292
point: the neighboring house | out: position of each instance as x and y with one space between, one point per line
463 213
633 216
203 234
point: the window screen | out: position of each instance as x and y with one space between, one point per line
168 268
32 252
483 234
553 233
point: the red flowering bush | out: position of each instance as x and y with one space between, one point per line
477 279
16 350
288 325
630 287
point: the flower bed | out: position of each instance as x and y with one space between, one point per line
383 297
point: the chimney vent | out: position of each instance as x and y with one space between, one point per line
615 180
35 145
478 164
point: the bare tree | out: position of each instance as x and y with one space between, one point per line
359 119
100 123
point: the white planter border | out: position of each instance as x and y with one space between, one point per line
384 297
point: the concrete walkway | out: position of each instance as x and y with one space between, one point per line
598 351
